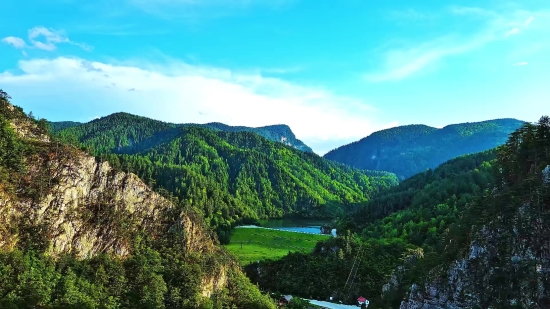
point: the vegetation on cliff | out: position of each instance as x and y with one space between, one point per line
488 207
75 233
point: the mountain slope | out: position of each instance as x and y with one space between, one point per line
135 133
62 125
407 150
276 133
113 132
430 199
472 233
396 225
76 233
242 176
230 175
503 258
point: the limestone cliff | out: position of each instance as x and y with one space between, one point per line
79 205
507 264
499 251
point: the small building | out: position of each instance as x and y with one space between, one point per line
362 301
285 300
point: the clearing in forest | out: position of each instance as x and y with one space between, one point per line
255 244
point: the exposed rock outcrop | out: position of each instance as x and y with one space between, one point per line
511 260
84 207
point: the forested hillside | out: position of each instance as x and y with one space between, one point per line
400 222
122 132
425 205
236 177
62 125
469 234
230 177
498 254
76 233
277 133
408 150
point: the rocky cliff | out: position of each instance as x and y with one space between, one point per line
486 278
70 202
507 262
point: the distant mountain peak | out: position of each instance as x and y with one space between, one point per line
407 150
143 129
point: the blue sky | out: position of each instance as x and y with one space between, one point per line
335 71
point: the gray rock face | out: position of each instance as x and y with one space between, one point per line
88 208
473 281
84 208
546 175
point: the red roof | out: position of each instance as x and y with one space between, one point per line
362 299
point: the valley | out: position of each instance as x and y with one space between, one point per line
130 212
250 244
232 178
274 154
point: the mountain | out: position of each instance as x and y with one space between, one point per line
77 233
62 125
231 177
277 133
408 150
502 244
473 233
397 224
141 132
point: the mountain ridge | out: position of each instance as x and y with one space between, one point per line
407 150
281 133
231 175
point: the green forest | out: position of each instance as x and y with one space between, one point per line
416 230
408 150
158 273
131 133
392 235
399 223
230 177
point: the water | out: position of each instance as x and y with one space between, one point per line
295 225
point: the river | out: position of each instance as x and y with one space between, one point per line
295 225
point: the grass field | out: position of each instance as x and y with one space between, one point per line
254 244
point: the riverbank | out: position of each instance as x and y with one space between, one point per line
326 304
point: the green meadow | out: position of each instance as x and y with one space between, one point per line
254 244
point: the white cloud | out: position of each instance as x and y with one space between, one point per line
50 37
521 63
513 31
43 38
15 42
179 92
401 63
